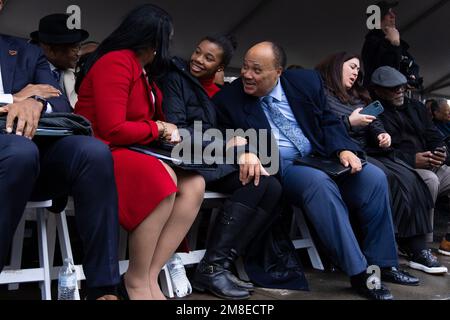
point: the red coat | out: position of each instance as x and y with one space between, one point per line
116 97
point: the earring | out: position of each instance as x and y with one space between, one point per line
154 53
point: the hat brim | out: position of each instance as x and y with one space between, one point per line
391 83
75 37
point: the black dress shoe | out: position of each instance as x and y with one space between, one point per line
382 293
395 275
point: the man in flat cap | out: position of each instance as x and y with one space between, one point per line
417 141
61 46
385 47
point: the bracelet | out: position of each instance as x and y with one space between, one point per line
163 134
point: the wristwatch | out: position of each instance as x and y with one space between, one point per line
41 100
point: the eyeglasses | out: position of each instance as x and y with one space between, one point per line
67 47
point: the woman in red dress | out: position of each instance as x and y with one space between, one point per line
157 205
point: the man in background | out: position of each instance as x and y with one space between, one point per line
385 47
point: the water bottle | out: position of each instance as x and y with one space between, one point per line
67 281
180 283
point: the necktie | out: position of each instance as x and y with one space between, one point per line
57 75
287 127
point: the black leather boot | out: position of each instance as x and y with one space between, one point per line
254 227
213 273
240 283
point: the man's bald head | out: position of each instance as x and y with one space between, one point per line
263 65
275 51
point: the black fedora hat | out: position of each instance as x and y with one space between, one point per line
53 30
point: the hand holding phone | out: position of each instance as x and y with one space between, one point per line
357 119
441 150
374 109
439 156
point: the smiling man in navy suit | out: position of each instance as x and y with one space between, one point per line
42 169
292 106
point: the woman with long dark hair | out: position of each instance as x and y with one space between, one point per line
410 198
188 90
156 204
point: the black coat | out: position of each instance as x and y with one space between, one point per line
378 51
410 120
184 102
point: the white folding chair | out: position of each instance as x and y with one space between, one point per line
14 274
306 241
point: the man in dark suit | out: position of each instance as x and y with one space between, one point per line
292 106
49 168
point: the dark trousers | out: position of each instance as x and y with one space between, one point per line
265 196
327 204
78 166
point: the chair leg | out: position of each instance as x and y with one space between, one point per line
17 250
312 250
51 236
166 282
43 254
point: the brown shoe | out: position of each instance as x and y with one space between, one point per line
445 248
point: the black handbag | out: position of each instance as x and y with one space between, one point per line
59 124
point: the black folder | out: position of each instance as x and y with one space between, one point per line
163 151
332 167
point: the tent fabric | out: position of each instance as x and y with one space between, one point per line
309 30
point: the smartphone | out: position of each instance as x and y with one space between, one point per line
373 109
441 149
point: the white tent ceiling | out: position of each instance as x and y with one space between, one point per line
309 30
